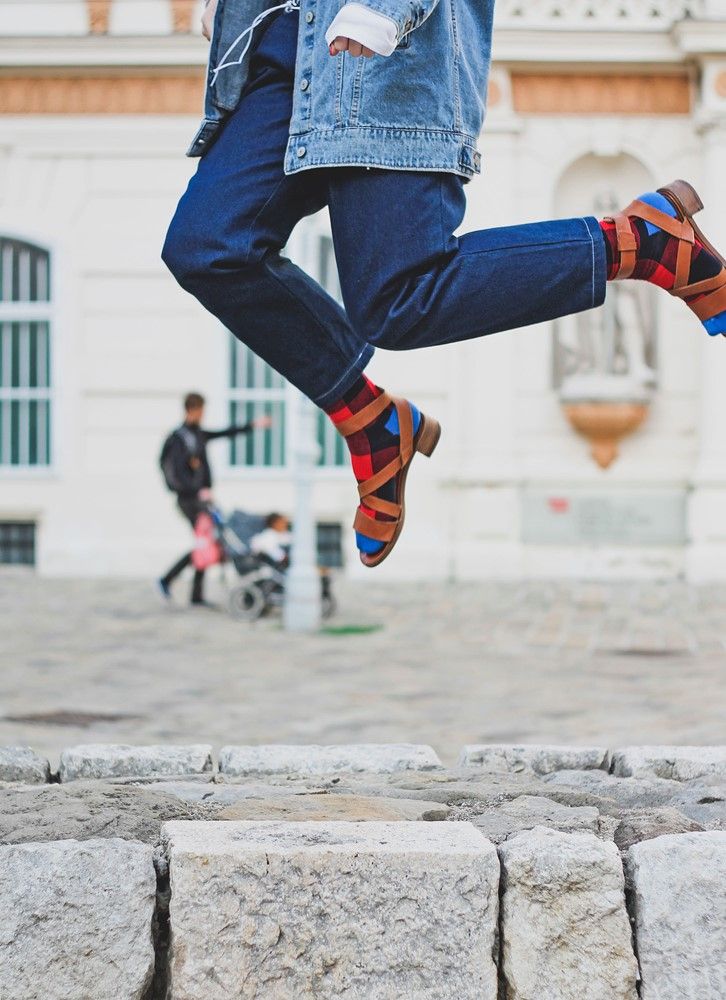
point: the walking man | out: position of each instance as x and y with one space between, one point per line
374 108
186 470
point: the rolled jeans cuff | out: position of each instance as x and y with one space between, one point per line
599 261
347 379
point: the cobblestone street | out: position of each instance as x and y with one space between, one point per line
441 664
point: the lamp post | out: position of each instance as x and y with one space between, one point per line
302 609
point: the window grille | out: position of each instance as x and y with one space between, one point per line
25 355
257 390
330 545
17 543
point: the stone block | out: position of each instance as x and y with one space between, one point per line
75 920
502 757
676 763
295 911
86 810
678 886
566 934
109 760
504 820
646 824
24 765
373 758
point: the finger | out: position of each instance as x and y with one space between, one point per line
367 52
340 44
354 48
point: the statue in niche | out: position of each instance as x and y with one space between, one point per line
609 352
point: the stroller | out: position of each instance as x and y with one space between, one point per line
262 583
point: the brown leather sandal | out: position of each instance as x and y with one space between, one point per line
423 441
685 200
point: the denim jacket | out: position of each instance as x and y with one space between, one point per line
421 108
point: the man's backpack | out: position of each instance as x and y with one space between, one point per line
166 461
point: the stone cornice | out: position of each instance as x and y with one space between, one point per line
103 50
648 15
701 37
577 47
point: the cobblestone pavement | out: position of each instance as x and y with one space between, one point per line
450 664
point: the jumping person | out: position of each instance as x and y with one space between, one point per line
186 470
374 109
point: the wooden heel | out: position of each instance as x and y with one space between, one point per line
684 196
428 437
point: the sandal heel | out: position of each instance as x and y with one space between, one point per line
429 436
685 196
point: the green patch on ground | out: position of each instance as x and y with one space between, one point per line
350 629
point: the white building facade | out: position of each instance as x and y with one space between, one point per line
590 104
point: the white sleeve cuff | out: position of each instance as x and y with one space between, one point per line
365 26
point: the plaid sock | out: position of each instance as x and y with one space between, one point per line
656 256
373 447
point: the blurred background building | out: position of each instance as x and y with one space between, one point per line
590 104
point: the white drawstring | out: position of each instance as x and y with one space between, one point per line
289 6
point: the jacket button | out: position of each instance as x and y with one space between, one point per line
304 84
310 17
301 151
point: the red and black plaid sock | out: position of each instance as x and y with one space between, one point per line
373 447
656 256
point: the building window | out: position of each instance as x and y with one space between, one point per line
25 355
256 390
330 545
17 543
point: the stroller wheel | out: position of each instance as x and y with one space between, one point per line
247 603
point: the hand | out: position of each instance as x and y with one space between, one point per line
262 422
194 463
350 46
204 496
208 18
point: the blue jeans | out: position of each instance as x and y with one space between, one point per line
406 281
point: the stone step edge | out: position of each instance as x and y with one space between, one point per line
21 765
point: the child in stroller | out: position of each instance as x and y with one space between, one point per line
258 547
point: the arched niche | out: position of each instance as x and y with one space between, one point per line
610 351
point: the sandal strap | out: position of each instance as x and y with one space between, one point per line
379 531
627 245
701 287
380 478
405 451
405 429
680 228
381 506
710 305
365 416
683 265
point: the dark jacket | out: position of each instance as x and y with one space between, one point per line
187 443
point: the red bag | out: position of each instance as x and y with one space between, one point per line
207 550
